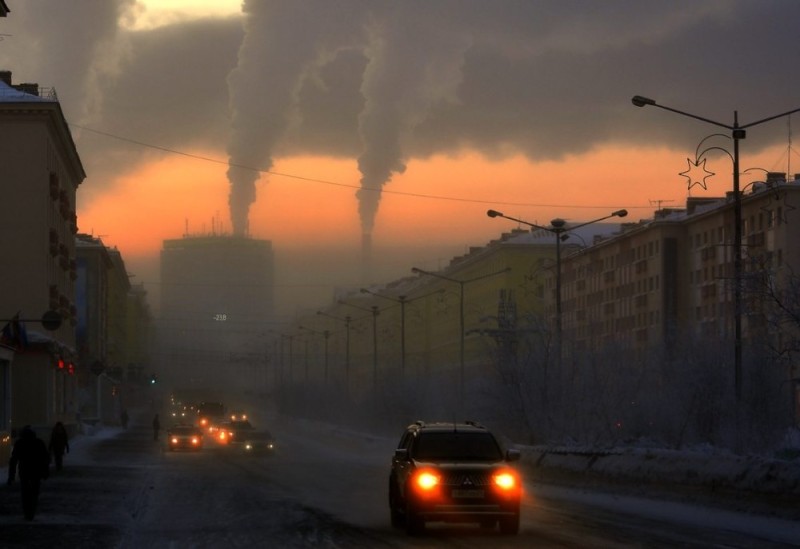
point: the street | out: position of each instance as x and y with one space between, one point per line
324 487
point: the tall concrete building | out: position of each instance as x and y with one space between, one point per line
216 308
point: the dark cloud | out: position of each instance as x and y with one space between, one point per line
542 78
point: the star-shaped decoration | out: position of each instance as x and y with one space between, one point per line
786 209
693 173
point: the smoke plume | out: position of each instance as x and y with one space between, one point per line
413 63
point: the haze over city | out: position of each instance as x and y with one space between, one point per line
403 121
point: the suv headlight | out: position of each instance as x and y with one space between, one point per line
427 480
506 481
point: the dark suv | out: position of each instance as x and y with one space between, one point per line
453 472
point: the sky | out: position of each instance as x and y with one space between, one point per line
313 123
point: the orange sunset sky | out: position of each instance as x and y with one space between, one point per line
309 201
524 107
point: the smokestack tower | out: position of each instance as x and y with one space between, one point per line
366 257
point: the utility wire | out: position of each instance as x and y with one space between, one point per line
346 185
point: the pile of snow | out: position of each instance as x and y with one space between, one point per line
710 468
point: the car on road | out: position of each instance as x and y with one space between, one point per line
453 472
257 442
242 436
184 437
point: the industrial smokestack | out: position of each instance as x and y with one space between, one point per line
366 257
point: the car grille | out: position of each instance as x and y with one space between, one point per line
461 478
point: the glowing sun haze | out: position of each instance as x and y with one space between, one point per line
523 107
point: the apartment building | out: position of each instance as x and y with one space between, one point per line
672 276
40 174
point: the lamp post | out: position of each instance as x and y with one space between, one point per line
325 334
737 134
559 228
461 284
374 310
346 321
288 337
402 300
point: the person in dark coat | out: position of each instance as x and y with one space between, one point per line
156 427
59 444
30 455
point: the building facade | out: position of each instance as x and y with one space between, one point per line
216 307
40 171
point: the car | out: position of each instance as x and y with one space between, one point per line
238 416
453 472
187 437
210 415
257 442
243 436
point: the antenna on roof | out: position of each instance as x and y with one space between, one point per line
659 202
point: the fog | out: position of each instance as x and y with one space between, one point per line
382 84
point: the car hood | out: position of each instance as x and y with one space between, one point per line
460 465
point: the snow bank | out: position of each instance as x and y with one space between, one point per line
717 471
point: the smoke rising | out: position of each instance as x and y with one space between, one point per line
412 63
386 82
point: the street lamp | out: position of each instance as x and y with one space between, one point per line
461 284
325 334
402 300
346 321
559 228
737 133
374 311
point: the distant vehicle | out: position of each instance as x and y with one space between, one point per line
183 412
188 437
453 472
237 416
258 442
221 432
210 415
243 436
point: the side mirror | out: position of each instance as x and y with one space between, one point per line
512 454
401 454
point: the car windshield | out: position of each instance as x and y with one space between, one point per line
453 445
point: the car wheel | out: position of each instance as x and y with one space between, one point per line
394 507
510 525
415 524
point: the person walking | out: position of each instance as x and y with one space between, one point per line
156 427
59 444
29 454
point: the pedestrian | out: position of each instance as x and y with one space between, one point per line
156 427
123 418
30 455
59 444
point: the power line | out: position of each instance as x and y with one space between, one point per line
338 184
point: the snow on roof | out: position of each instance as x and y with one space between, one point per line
10 94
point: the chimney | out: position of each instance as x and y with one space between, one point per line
5 77
693 202
776 177
28 87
